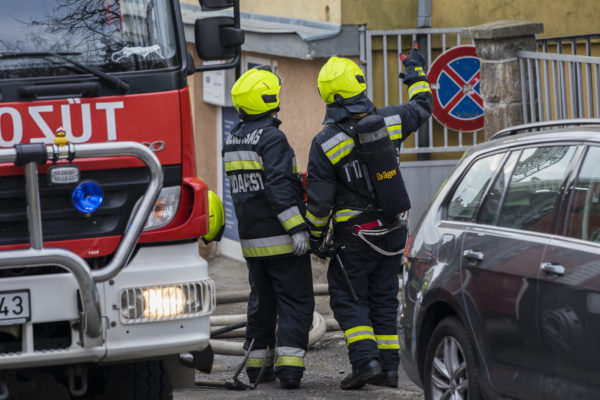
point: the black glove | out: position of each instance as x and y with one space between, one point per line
414 64
317 247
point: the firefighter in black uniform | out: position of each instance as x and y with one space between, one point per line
354 183
267 195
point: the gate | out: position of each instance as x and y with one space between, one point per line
556 85
379 55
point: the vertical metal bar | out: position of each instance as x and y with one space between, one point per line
400 94
27 343
572 83
385 71
369 64
579 68
523 89
589 91
430 120
445 127
34 212
555 85
588 47
597 88
573 46
563 90
538 81
548 100
531 94
458 38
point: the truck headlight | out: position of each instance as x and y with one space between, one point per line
164 209
154 303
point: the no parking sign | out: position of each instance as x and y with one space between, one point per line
454 78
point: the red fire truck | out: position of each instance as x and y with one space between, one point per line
101 282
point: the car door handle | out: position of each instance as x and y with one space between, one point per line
473 255
551 268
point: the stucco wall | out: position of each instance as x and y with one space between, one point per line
315 10
559 17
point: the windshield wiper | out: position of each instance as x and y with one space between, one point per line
117 84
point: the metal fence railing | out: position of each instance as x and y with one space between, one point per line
379 54
559 86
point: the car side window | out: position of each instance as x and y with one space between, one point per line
583 219
488 213
465 199
534 187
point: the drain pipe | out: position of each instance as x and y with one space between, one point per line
424 19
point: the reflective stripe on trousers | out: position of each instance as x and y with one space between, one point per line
387 342
257 358
358 333
290 357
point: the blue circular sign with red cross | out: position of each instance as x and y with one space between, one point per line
454 78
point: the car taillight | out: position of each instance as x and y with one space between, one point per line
406 250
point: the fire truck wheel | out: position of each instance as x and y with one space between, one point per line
146 380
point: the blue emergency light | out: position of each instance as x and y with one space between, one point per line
87 197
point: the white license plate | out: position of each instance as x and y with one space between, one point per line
14 307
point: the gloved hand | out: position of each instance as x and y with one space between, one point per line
316 247
300 244
414 64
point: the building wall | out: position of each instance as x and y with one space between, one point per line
315 10
560 18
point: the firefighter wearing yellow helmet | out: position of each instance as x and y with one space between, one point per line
267 196
354 180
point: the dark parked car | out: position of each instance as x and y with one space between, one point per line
501 285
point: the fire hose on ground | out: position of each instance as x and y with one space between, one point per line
233 325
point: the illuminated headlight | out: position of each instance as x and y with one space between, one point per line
155 303
164 209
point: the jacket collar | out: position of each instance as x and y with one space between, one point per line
243 128
354 105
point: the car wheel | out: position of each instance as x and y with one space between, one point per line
451 371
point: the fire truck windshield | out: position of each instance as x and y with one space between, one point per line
108 35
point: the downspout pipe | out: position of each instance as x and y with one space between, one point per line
424 19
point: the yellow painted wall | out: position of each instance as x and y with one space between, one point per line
560 18
315 10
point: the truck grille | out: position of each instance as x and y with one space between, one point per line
60 220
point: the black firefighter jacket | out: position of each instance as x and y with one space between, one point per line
265 187
336 184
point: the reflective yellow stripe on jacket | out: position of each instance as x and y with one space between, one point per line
246 160
268 246
418 87
394 126
337 147
290 218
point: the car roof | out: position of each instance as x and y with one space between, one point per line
578 130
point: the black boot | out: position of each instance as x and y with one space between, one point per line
388 378
359 377
268 375
289 377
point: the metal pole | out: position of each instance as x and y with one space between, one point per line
34 213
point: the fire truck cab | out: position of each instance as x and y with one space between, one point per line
101 281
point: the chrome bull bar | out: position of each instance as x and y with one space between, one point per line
31 156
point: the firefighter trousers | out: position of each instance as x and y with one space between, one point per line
280 312
370 324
